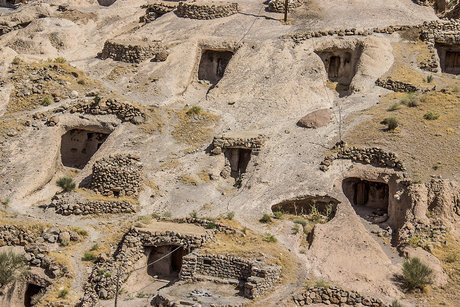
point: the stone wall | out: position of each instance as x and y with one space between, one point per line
278 5
117 175
333 296
91 207
155 10
444 31
206 10
133 51
257 277
124 111
253 142
374 156
396 86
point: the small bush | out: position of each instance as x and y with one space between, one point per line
155 216
265 219
430 115
211 225
167 214
193 110
410 99
314 215
244 230
144 219
429 79
46 101
66 183
302 251
451 258
81 232
416 274
230 215
301 222
65 242
100 272
97 99
12 266
268 237
322 284
89 256
391 122
278 214
60 60
63 293
395 303
5 203
108 274
295 229
395 106
16 61
193 214
95 247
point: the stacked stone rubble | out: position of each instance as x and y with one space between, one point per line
117 175
206 10
134 52
92 207
124 111
444 31
278 5
333 296
221 142
374 156
396 86
257 277
155 10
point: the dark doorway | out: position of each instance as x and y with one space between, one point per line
213 64
31 291
162 266
449 56
366 193
239 160
78 146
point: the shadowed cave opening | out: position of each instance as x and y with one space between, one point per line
449 57
213 64
239 159
340 65
370 199
164 264
325 205
31 291
78 146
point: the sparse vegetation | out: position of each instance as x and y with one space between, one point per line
301 222
322 284
395 106
46 101
155 216
95 247
81 232
429 78
396 303
60 60
230 215
193 110
278 214
16 61
193 214
430 115
268 237
66 183
211 225
315 215
416 274
391 122
265 219
97 99
452 258
89 256
167 214
63 293
5 203
295 229
12 267
411 99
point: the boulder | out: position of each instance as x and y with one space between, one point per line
316 119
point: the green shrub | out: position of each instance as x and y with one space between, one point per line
314 215
65 242
100 272
430 115
63 293
155 216
108 274
265 219
193 214
97 99
429 79
81 232
329 211
144 219
12 266
66 183
268 237
46 101
16 61
410 99
5 203
395 106
295 229
301 222
89 256
416 274
391 122
167 214
211 225
395 303
95 247
230 215
193 110
60 60
322 284
278 214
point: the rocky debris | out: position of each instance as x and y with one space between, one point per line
8 27
206 10
444 31
124 111
278 5
253 142
333 296
91 207
316 119
396 86
208 224
420 235
374 156
117 175
257 277
133 51
155 10
430 64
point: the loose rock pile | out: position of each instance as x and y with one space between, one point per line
430 64
257 277
419 235
255 143
334 296
6 27
206 10
155 10
133 52
117 175
374 156
444 31
91 207
396 86
278 5
124 111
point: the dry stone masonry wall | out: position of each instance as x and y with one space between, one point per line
278 5
206 10
396 86
133 52
117 175
334 296
257 277
445 31
155 10
255 143
374 156
91 207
